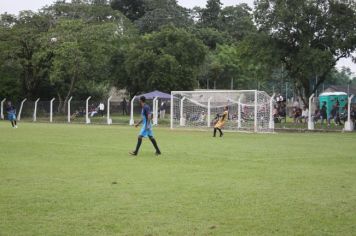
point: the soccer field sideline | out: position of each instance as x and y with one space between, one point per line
75 179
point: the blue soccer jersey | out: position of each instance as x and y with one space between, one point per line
11 113
146 129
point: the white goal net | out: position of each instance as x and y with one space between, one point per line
249 110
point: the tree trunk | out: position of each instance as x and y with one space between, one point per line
69 93
60 102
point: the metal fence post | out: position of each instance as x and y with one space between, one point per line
35 111
132 121
2 109
155 113
256 110
51 111
271 118
20 111
87 120
108 119
182 120
171 115
310 121
349 125
68 107
209 116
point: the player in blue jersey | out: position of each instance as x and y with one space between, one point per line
11 114
146 130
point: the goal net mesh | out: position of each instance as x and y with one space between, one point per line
248 110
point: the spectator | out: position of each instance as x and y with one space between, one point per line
305 115
93 111
275 114
353 112
279 98
281 112
335 114
101 109
124 107
343 114
162 110
296 103
323 113
296 114
353 115
202 117
316 115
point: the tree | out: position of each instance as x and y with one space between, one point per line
342 77
211 14
212 37
311 35
82 55
132 9
165 60
228 57
65 47
237 21
20 41
160 13
69 66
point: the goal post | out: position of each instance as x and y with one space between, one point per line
249 110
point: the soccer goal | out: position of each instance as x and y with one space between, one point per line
249 110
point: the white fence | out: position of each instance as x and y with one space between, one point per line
80 111
242 116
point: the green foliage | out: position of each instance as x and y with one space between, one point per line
312 36
64 45
132 9
20 44
81 47
165 60
211 14
342 77
228 57
237 21
80 57
212 37
160 13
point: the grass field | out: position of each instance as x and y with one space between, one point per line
79 180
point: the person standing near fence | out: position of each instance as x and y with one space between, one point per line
124 107
162 110
101 109
323 113
11 114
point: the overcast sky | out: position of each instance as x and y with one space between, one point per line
14 6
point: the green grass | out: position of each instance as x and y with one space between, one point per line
79 180
116 119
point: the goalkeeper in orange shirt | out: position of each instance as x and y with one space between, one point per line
221 122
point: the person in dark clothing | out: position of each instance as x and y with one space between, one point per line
11 114
124 107
335 114
323 113
162 110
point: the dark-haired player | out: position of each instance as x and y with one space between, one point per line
11 114
146 130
